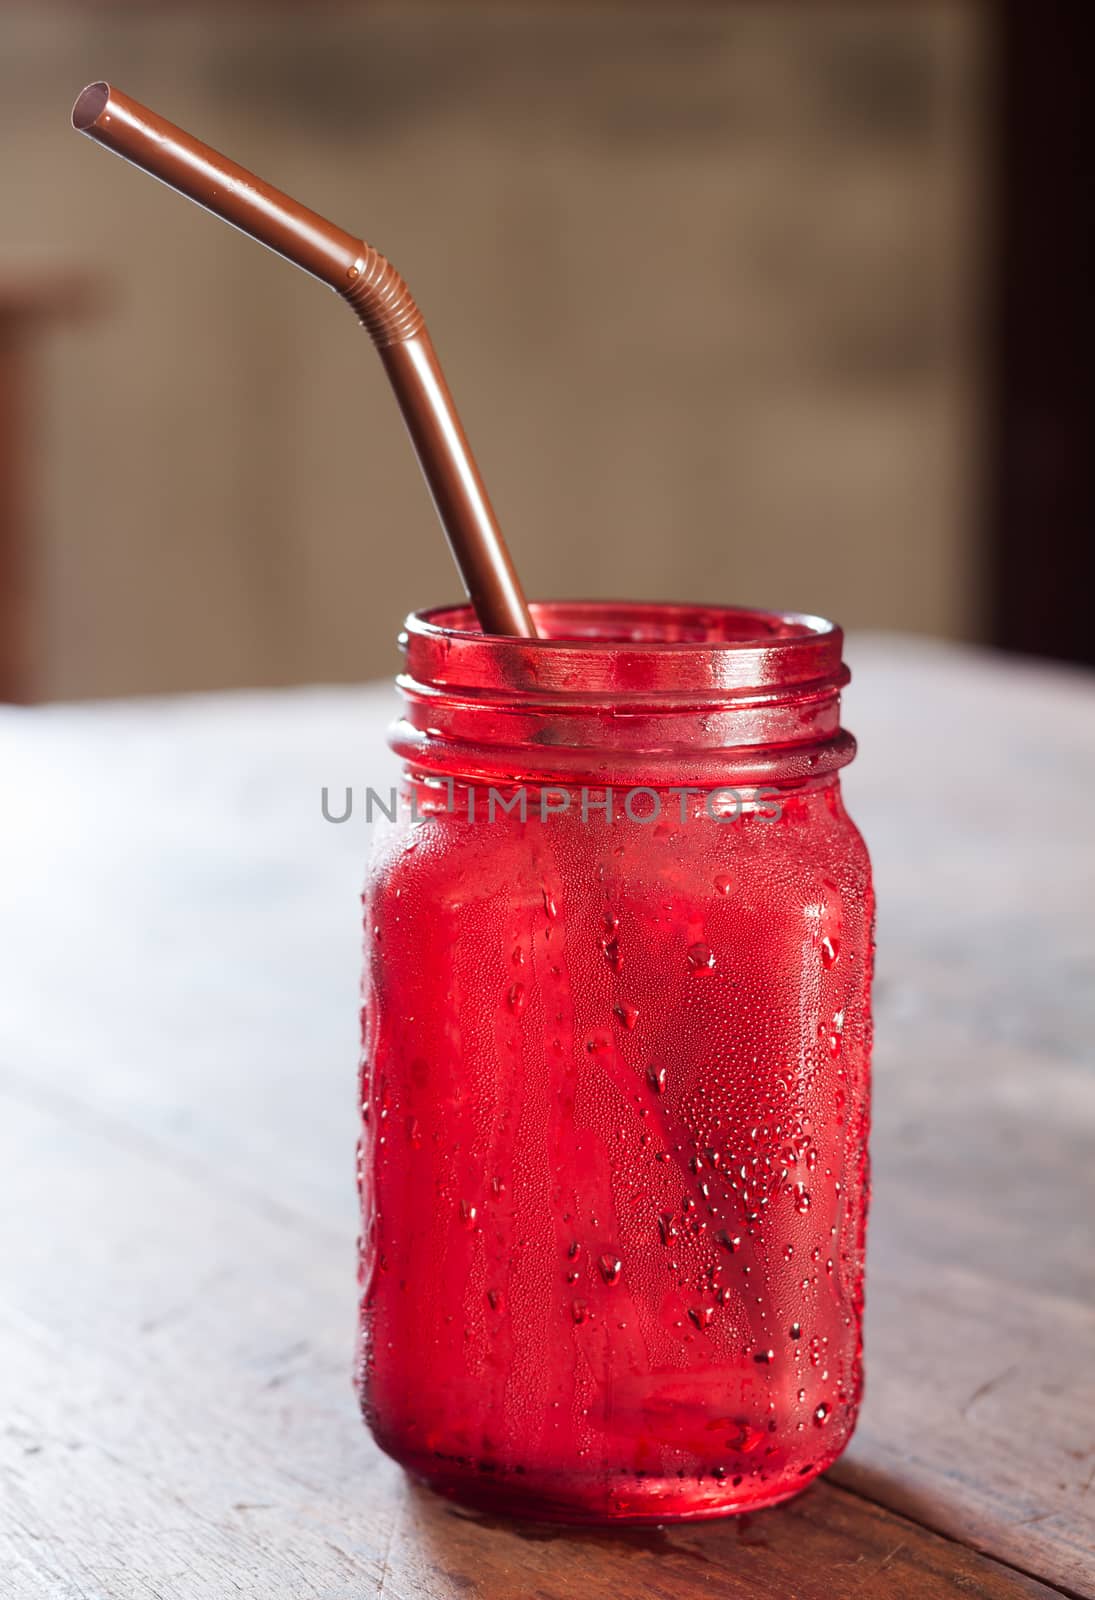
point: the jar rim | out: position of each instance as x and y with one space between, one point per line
628 649
757 626
625 686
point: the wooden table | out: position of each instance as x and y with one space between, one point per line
177 1043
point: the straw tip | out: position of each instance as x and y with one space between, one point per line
89 106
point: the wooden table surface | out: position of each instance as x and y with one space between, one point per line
179 940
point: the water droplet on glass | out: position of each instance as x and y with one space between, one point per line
611 1267
516 998
830 950
702 1316
724 883
795 1330
549 903
701 957
821 1415
656 1078
468 1214
628 1015
802 1197
747 1440
729 1241
579 1311
763 1358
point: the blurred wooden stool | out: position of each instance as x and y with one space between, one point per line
29 304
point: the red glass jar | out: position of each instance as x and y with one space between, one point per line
615 1066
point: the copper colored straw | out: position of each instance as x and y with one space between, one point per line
384 306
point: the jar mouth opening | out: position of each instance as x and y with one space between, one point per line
641 625
628 650
623 686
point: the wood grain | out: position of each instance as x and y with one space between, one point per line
974 789
179 943
179 1424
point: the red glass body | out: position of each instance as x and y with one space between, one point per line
615 1071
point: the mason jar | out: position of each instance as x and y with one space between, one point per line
615 1065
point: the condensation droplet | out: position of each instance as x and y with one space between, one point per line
701 957
610 1267
747 1441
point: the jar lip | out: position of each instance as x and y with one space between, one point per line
624 686
629 651
754 627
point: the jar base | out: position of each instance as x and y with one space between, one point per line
646 1501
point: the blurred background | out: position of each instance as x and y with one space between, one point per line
778 304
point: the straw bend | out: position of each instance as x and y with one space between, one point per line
372 286
383 304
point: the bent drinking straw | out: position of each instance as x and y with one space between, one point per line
384 306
